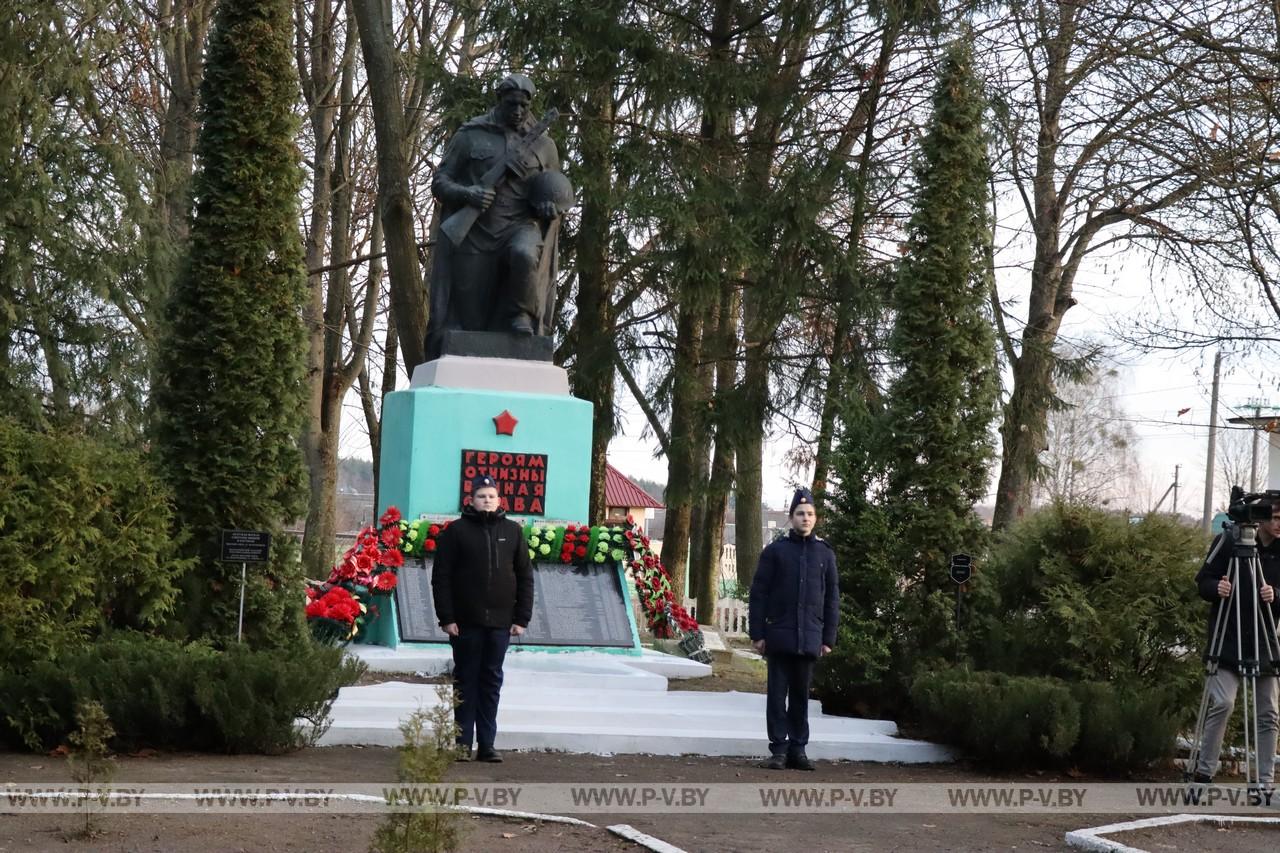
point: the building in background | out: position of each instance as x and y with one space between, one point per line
622 497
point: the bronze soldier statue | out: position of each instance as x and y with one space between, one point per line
502 196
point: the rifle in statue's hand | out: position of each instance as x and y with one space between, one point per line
457 225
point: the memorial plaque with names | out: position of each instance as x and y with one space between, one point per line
572 606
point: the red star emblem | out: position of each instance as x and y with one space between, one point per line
505 423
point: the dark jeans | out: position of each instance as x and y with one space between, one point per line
478 653
787 711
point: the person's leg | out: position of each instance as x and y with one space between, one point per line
496 641
467 656
1267 730
1222 687
798 712
776 703
525 289
798 702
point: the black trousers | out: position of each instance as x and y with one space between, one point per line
787 710
478 653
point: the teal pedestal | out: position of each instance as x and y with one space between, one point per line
426 430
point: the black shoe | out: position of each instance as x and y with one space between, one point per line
1202 779
799 761
489 755
777 761
522 327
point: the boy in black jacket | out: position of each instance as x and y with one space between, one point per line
795 605
482 583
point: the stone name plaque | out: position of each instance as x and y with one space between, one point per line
572 606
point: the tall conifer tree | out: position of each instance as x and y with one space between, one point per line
941 405
229 378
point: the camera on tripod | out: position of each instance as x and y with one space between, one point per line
1253 507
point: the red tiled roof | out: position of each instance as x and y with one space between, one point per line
620 491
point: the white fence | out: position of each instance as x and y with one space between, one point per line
730 617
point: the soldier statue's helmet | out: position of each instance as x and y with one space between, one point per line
553 187
515 83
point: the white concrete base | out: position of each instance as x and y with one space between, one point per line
604 704
492 374
435 658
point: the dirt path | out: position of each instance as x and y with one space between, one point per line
693 832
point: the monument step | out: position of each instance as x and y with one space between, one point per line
566 669
626 737
752 705
514 713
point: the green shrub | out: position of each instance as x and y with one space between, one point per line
1082 594
1125 728
164 694
865 672
1007 720
85 542
1014 721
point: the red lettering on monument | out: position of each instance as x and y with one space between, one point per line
520 477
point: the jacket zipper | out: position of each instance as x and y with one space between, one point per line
800 602
488 586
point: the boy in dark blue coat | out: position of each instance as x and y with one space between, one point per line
795 605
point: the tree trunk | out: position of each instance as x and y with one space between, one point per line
750 456
711 542
681 460
715 352
183 26
688 399
315 57
395 203
1025 427
593 367
1026 413
318 542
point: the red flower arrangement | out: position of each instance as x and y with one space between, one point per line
337 608
368 569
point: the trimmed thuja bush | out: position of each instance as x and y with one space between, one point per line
229 388
1015 721
1077 615
1005 719
164 694
86 543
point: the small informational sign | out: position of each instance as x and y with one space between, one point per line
246 546
961 568
521 478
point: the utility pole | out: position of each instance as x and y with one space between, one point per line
1176 469
1253 456
1211 460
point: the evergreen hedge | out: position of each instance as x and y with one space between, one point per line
1021 721
169 695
